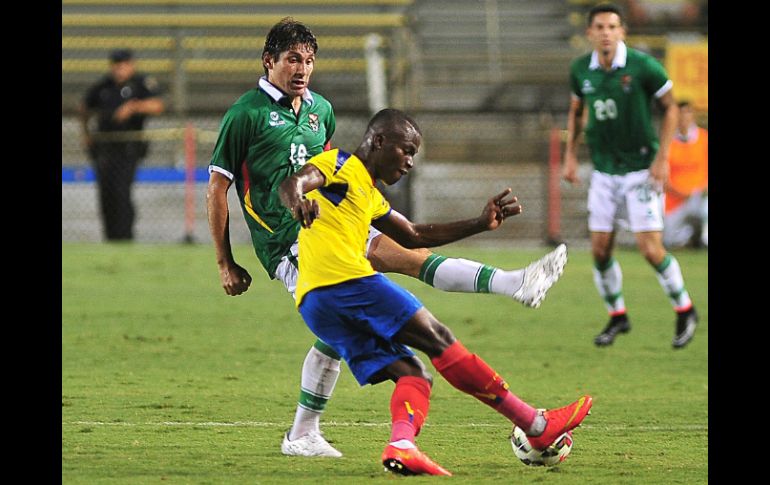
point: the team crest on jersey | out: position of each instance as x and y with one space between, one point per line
150 83
587 87
625 82
275 119
312 119
126 92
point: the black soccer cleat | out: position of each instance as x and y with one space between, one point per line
685 327
617 324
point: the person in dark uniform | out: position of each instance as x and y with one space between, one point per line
121 101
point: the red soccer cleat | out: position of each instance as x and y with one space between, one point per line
561 420
410 462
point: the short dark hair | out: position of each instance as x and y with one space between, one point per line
387 119
121 55
605 8
286 34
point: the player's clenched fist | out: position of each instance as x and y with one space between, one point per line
235 279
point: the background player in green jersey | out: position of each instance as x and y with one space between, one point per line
266 136
617 84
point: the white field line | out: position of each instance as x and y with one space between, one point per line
268 424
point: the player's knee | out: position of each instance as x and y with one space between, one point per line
424 374
443 337
414 372
406 367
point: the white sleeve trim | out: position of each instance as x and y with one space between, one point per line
214 168
664 89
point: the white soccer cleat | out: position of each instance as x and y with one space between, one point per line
312 444
540 275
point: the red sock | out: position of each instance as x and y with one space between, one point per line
409 407
470 374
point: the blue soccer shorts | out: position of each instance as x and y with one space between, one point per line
358 318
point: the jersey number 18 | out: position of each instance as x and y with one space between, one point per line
298 155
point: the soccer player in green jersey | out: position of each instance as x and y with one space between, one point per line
617 84
266 136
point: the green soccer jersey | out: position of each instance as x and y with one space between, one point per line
262 142
619 132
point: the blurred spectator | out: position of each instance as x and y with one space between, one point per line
121 100
687 206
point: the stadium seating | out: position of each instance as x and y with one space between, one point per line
487 80
193 47
207 52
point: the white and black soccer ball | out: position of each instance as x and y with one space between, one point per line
553 455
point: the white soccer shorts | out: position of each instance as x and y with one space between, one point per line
629 201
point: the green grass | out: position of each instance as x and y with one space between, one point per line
165 379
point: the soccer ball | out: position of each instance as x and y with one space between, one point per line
553 455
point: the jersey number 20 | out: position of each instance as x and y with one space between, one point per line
605 109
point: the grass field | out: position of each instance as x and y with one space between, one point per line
165 379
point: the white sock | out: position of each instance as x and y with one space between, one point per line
538 425
465 276
319 376
403 444
506 282
609 282
669 276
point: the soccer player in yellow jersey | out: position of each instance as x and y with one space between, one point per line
267 135
372 322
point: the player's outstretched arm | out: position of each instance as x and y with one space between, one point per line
235 279
411 235
293 190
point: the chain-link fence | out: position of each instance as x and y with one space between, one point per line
169 187
449 182
205 54
485 80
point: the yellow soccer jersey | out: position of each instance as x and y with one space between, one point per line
333 249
